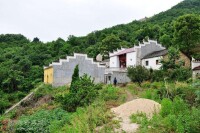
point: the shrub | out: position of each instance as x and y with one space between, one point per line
42 121
138 74
139 118
146 85
89 118
175 116
151 94
181 74
166 106
86 92
109 93
4 102
75 77
157 85
158 75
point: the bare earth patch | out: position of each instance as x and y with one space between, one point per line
124 111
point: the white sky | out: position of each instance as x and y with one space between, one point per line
50 19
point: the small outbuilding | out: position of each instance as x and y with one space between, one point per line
196 68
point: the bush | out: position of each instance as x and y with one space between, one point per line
146 85
180 74
158 75
157 85
139 118
109 93
151 94
86 92
86 120
138 74
175 116
42 121
4 102
75 77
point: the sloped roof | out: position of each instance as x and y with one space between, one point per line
156 54
196 68
129 50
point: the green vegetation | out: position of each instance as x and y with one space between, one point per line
172 70
179 108
75 77
42 114
179 113
22 60
84 106
138 74
42 121
82 92
187 32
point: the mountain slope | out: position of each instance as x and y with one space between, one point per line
22 60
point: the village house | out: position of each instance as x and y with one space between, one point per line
153 60
195 68
147 54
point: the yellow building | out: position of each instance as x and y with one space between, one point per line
48 75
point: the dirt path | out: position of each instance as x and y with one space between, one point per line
129 96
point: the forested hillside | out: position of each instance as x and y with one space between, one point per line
22 60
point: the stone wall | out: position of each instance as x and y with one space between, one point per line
121 77
183 58
64 69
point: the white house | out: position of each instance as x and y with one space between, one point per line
123 59
148 52
153 59
195 68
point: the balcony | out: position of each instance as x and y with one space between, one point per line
116 69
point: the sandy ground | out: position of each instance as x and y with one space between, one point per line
124 111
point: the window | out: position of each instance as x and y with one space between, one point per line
157 62
147 63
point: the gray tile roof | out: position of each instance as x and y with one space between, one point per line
156 54
129 50
196 68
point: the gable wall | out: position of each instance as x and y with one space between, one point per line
63 72
147 48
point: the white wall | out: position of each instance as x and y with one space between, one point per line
131 59
114 61
152 63
195 64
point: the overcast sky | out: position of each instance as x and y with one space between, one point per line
50 19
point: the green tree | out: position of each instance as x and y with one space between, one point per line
36 40
165 40
172 57
110 43
187 32
138 74
75 77
173 66
86 92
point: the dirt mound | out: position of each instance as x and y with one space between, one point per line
138 105
124 111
